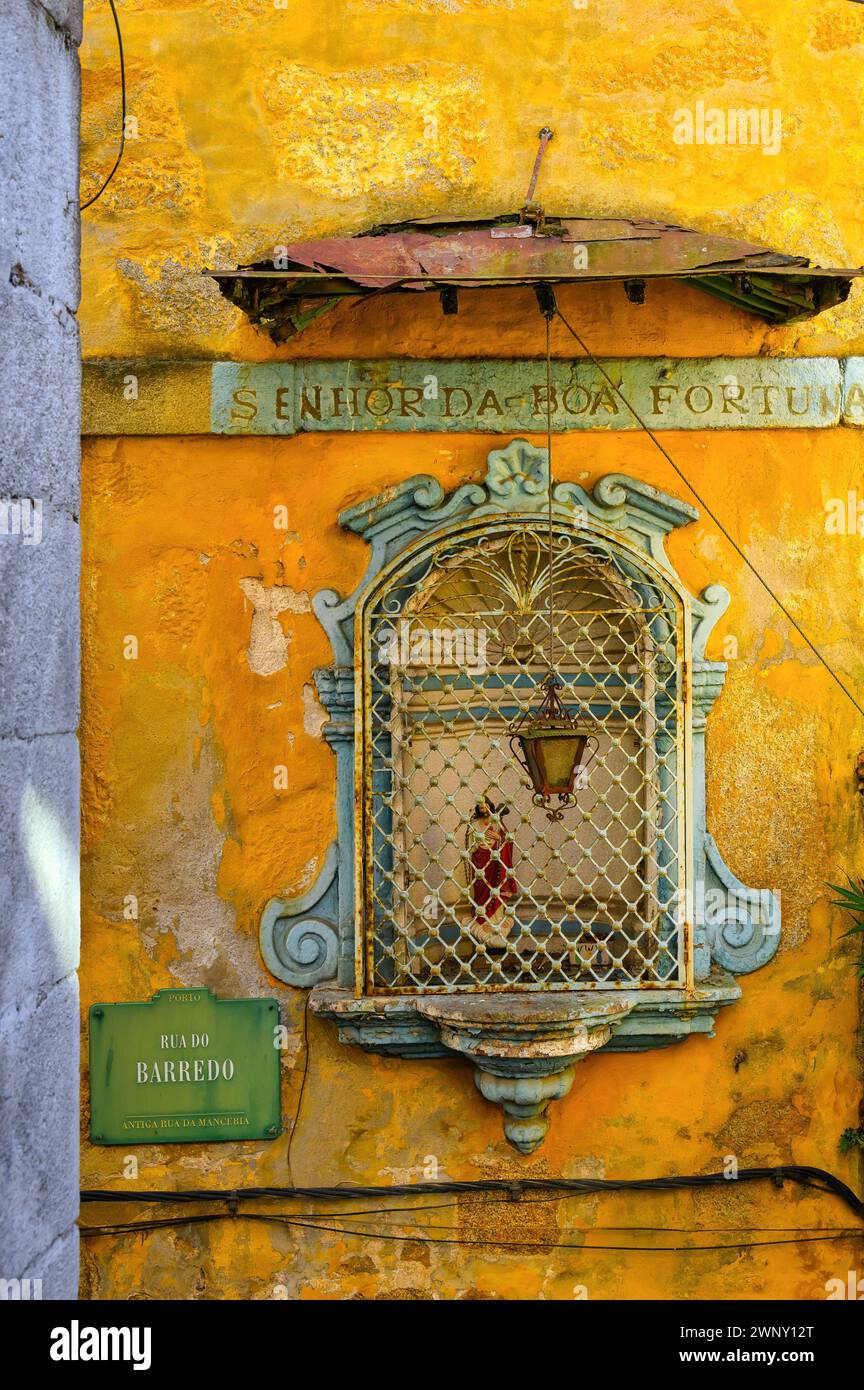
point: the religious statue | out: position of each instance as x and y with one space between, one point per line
491 885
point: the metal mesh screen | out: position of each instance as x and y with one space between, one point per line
466 883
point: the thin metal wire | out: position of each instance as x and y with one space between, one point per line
717 522
302 1084
116 166
549 493
132 1227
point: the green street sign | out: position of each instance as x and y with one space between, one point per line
184 1068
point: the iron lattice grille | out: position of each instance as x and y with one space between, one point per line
456 647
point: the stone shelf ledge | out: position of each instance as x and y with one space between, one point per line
524 1046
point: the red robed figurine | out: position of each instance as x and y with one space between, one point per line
491 884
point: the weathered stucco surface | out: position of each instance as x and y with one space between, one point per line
180 748
258 125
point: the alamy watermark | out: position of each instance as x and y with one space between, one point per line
428 647
21 516
844 516
20 1289
77 1343
852 1287
758 127
717 908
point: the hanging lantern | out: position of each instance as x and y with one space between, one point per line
551 749
551 745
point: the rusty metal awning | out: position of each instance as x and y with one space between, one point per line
449 255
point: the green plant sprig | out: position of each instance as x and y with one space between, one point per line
851 900
851 1139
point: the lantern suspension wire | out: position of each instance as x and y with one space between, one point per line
717 522
551 578
548 744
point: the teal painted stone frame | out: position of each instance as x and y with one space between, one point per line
310 940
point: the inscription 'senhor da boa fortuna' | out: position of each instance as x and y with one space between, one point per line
488 395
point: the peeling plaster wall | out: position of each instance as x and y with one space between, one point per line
181 743
180 748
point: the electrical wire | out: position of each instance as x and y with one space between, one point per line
91 201
484 1205
495 1192
302 1084
535 1201
134 1227
816 1179
717 522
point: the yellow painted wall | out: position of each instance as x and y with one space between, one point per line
257 125
246 141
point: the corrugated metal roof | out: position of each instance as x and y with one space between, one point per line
452 254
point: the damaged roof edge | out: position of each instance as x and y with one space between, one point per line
308 278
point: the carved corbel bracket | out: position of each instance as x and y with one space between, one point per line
298 936
743 925
524 1047
524 1101
709 677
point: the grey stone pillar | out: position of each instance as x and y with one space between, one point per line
39 675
